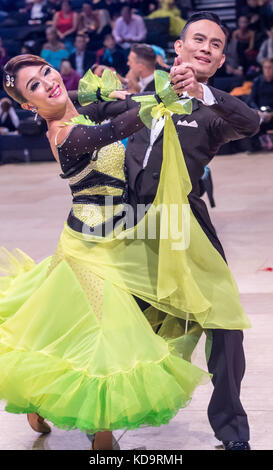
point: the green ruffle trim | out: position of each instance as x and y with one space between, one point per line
149 394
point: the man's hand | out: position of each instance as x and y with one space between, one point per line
184 79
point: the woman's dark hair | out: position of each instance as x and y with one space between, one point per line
204 15
11 70
68 2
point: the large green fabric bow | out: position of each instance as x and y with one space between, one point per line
151 107
91 87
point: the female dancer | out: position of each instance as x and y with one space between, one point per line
86 357
72 336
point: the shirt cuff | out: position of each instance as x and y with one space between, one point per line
209 98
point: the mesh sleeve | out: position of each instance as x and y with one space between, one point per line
86 139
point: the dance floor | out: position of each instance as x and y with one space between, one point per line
34 203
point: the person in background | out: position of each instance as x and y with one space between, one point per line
266 49
3 54
111 6
65 21
245 38
89 21
38 12
167 8
261 98
82 59
53 50
95 23
231 74
112 55
129 28
8 117
53 6
142 62
251 9
70 77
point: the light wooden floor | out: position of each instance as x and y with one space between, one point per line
34 203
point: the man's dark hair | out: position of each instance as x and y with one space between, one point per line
204 15
145 54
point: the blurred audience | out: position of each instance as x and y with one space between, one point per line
245 38
9 120
65 22
168 8
82 59
70 77
261 98
112 55
53 51
129 28
3 54
266 49
95 23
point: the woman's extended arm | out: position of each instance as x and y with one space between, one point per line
84 139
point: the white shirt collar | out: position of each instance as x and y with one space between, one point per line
143 82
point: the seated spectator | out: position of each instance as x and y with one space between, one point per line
266 14
8 117
89 20
245 38
112 55
142 62
53 50
38 12
82 59
95 23
70 77
129 28
168 9
261 98
230 75
3 54
251 9
111 6
25 49
266 49
53 6
65 21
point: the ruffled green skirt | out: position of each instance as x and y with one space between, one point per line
81 369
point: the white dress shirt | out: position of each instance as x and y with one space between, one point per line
135 31
157 126
143 82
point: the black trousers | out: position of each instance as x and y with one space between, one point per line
227 364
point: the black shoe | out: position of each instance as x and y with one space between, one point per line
236 445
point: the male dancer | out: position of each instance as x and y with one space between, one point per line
217 118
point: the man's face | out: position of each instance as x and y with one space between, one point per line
80 43
202 46
126 14
268 71
133 64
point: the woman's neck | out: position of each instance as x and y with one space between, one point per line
63 116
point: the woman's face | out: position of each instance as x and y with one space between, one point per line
66 8
43 88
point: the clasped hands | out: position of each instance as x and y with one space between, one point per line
183 78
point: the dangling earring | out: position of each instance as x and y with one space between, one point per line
34 110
